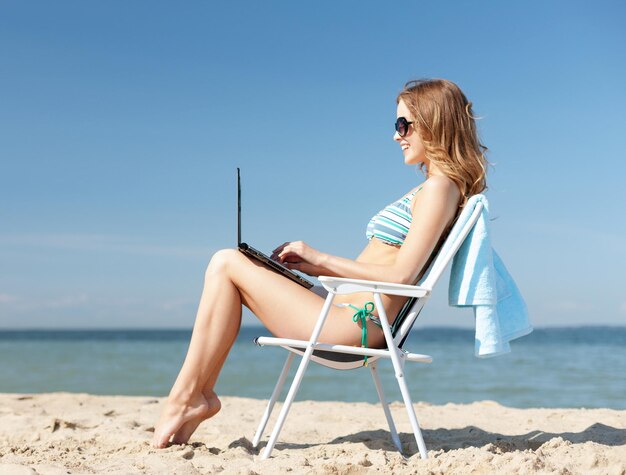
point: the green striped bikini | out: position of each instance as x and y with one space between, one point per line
391 224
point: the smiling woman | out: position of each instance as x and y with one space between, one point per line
438 109
436 131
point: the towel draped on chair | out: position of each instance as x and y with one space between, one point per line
479 279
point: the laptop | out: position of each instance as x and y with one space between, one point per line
258 255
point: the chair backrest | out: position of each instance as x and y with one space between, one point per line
456 237
462 227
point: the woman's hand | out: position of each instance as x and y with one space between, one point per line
299 256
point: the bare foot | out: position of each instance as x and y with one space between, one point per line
183 434
175 415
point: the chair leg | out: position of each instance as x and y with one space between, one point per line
295 385
383 401
398 366
412 417
273 399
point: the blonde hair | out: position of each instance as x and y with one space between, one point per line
444 119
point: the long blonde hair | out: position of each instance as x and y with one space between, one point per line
446 124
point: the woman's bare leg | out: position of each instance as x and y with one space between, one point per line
217 323
185 432
287 310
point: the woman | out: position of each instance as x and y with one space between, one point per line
436 131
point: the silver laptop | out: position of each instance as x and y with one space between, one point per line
258 255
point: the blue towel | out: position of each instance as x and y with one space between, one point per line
479 279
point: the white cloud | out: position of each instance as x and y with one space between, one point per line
103 243
52 303
568 306
176 304
6 298
623 307
127 305
68 301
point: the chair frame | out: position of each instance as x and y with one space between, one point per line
341 286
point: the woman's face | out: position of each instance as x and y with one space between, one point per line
412 146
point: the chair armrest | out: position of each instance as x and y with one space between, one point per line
341 285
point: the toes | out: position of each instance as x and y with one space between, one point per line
184 433
161 442
179 423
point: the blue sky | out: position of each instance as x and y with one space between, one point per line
122 123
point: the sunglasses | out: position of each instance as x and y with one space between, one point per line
402 126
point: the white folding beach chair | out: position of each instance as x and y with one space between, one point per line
344 357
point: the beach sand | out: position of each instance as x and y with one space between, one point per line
64 433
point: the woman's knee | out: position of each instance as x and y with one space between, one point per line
222 261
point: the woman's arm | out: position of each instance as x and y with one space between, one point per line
434 207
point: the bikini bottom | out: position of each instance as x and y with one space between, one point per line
322 292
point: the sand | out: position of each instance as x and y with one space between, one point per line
64 433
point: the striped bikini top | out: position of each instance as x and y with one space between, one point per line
391 224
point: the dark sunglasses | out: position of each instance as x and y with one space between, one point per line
402 126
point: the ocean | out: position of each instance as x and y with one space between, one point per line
551 367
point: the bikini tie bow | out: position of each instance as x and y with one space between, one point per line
361 316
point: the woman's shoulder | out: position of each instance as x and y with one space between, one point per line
439 187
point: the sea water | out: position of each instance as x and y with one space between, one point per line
552 367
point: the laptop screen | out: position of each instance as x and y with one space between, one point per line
238 206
